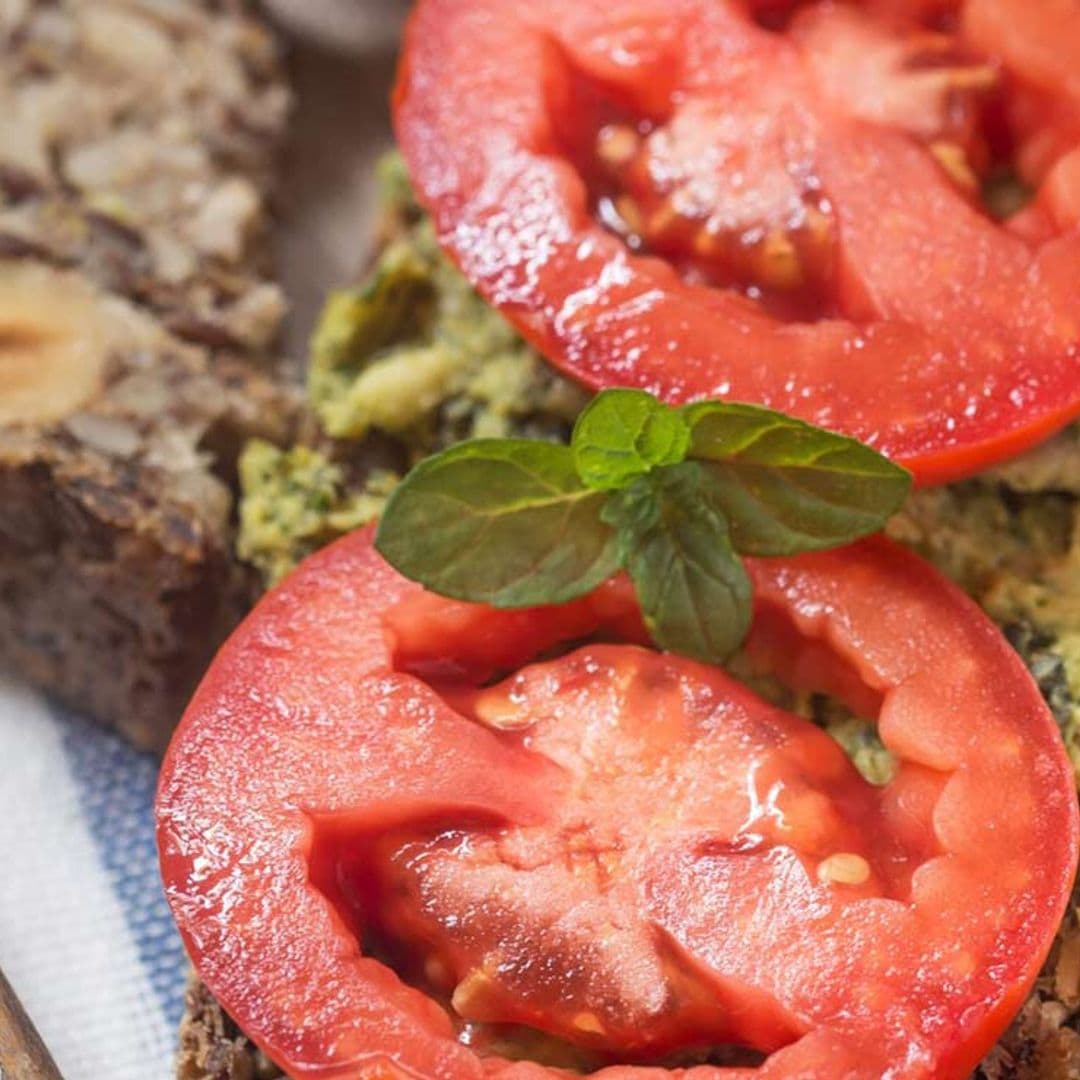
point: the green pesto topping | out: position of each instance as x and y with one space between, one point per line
415 352
1053 466
412 353
861 743
395 189
295 501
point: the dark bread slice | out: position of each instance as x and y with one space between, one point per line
117 575
138 146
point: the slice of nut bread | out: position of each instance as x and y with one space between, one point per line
117 577
137 151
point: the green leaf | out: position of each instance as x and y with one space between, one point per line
622 434
787 486
499 521
673 540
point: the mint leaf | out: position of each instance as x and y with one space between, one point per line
673 540
622 434
499 521
786 486
671 495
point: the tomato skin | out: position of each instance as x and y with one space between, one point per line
950 342
310 733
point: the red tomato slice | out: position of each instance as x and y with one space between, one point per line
1039 44
806 200
626 849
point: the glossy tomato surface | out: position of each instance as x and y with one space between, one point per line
394 828
669 194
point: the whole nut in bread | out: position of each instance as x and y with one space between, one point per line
53 344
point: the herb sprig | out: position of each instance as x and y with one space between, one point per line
673 496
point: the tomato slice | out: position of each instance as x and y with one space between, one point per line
661 193
625 849
1039 44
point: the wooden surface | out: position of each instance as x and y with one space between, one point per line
23 1055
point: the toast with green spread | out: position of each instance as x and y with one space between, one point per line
411 360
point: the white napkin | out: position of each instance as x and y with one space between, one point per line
86 938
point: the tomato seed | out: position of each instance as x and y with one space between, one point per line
588 1022
617 145
844 868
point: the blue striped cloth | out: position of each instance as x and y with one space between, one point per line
85 935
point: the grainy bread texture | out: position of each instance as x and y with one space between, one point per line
137 150
139 141
212 1047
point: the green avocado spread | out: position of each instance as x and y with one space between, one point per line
412 360
296 501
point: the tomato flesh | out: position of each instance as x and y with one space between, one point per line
625 849
658 754
1038 44
788 219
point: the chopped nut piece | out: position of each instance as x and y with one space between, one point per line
225 221
125 39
